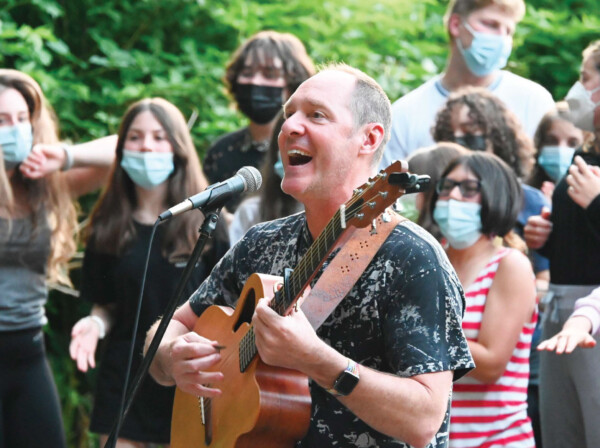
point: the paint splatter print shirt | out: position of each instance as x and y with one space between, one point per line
403 316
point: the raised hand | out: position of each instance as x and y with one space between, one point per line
575 333
538 229
584 182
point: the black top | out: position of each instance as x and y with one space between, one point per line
403 316
230 153
573 247
108 279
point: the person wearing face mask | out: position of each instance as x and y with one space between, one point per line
556 141
156 167
260 76
569 237
271 202
477 199
430 161
481 121
37 237
480 34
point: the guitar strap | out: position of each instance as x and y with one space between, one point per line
346 268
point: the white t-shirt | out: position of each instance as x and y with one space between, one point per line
414 114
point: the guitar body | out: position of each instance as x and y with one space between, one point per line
264 406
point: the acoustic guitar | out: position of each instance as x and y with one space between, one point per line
261 405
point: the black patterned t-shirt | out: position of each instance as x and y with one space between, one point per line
403 316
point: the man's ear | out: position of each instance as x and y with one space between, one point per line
454 22
372 137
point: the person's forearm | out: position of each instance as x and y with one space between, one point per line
488 367
99 152
406 409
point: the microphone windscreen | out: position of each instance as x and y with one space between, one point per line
252 178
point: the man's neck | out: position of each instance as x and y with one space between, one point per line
260 132
458 75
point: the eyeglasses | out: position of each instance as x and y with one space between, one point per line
468 187
248 71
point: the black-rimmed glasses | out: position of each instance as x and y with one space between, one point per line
468 187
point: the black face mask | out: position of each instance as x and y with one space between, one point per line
259 103
472 142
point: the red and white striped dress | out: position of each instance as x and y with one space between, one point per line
492 415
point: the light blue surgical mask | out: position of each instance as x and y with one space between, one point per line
147 169
555 160
487 53
278 167
16 143
459 222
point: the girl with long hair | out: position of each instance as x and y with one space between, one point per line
156 167
37 238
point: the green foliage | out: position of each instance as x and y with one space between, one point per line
93 58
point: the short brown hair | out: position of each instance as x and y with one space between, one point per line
297 66
465 7
368 103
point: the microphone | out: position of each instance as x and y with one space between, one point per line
247 179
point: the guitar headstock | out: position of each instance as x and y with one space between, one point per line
379 192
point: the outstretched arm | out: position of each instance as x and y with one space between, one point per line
86 165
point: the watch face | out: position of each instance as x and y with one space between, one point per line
346 383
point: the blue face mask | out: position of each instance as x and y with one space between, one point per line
460 222
147 169
278 167
487 53
16 142
555 160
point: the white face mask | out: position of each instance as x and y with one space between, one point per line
581 106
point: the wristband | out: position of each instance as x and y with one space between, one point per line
101 326
68 157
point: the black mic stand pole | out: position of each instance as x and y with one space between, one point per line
206 231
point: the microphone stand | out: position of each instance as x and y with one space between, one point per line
206 231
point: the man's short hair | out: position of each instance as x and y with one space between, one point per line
265 46
465 7
368 103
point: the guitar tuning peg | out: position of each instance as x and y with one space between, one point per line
374 227
385 217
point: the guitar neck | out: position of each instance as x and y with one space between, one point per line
305 271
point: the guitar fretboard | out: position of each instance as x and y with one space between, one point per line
302 275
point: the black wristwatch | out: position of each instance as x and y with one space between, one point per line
347 381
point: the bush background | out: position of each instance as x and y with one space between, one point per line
93 58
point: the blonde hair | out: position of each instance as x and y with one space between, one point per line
51 194
593 51
465 7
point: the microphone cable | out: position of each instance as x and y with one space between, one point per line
113 436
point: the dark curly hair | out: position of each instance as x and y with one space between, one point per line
502 128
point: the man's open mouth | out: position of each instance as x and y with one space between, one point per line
298 157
